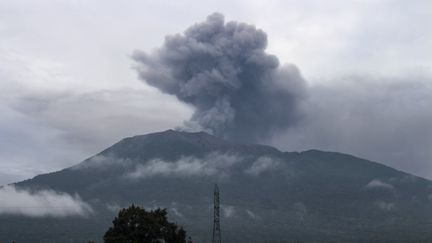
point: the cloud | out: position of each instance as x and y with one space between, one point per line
44 203
385 206
336 36
177 212
47 115
251 214
221 69
117 113
261 165
384 119
210 165
378 184
113 207
228 211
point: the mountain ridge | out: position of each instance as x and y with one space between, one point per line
267 194
217 141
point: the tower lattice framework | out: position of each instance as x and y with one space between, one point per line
216 222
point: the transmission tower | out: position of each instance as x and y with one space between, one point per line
216 222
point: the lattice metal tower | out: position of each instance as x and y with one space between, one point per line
216 222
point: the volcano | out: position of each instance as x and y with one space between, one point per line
266 195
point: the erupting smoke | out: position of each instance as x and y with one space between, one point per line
238 90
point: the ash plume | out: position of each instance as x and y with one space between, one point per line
238 91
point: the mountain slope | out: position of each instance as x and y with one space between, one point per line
266 195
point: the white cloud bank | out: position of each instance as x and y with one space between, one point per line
42 203
212 164
261 165
378 184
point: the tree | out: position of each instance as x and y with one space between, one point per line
136 225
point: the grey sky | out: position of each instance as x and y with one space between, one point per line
67 89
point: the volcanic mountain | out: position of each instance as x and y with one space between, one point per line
266 195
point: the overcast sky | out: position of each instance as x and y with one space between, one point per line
68 90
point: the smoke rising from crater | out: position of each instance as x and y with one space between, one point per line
238 90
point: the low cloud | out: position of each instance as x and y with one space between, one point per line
378 184
44 203
228 211
177 212
386 206
212 164
113 207
251 214
261 165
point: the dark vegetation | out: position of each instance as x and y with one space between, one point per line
136 225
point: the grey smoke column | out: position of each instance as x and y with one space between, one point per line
239 91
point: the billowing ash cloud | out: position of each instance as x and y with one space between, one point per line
238 90
42 203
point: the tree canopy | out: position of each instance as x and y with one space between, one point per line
136 225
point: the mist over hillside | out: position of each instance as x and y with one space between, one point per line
266 194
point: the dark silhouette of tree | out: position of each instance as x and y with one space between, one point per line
136 225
